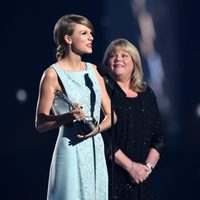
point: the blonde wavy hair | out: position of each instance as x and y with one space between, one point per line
137 83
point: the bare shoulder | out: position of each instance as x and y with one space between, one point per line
50 73
49 78
95 70
98 75
94 66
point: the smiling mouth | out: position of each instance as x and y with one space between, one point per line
89 45
118 66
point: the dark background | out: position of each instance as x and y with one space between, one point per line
27 48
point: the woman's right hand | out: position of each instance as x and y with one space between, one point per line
77 112
139 172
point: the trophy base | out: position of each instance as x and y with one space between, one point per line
87 125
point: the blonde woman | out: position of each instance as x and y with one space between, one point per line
78 168
138 137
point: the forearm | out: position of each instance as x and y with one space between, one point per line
123 161
47 122
106 122
137 171
153 157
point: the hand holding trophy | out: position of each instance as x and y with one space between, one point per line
86 124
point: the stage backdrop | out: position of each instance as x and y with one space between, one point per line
166 28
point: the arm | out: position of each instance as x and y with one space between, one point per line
153 157
105 105
158 143
43 120
158 140
137 171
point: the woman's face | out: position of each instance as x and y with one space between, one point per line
120 64
82 39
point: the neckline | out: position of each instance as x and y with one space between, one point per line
72 71
122 91
136 97
131 97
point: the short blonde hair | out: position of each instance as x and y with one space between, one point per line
137 83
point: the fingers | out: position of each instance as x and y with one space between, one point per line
137 181
94 132
140 178
77 113
139 173
76 105
81 136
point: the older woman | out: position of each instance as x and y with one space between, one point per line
138 137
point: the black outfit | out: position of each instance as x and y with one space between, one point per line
137 130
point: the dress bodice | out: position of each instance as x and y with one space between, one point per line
79 86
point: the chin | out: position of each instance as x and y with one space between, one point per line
89 52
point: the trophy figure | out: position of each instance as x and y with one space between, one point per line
88 124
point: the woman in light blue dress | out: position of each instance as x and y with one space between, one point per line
78 169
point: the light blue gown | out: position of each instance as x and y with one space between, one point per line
78 169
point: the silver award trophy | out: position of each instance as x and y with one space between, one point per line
88 124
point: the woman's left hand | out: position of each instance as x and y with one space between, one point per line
94 132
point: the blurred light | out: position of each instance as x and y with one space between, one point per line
21 95
198 110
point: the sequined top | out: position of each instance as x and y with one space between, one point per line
137 130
